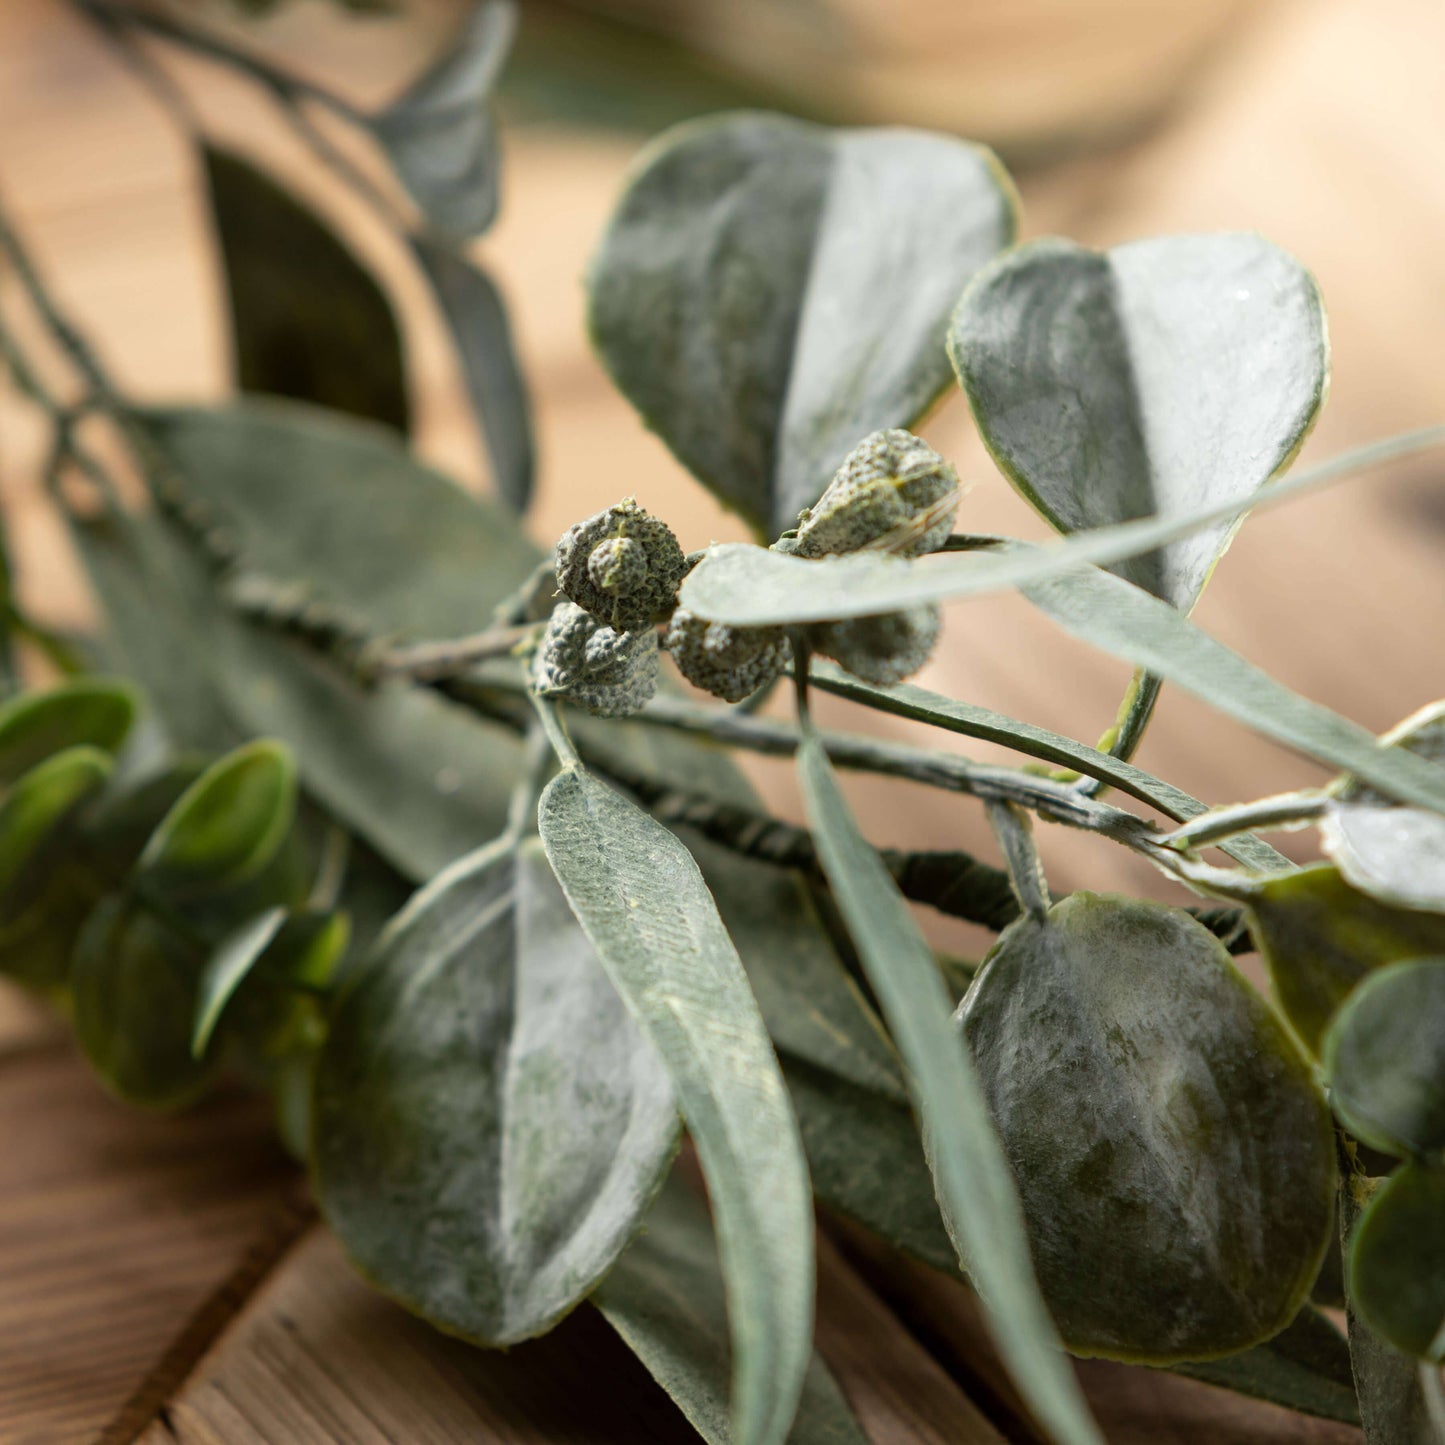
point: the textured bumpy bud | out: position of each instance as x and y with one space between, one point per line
883 649
622 566
730 662
893 491
609 673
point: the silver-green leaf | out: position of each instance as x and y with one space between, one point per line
1146 380
980 1203
490 1125
638 893
770 291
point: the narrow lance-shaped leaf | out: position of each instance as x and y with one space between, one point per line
307 319
906 699
490 1125
770 291
665 1297
441 136
639 894
474 313
1142 381
971 1173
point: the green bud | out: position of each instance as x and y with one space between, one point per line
605 672
730 662
893 491
622 566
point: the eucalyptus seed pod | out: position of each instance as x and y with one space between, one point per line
622 566
730 662
893 492
883 649
609 673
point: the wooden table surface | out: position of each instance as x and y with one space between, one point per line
164 1278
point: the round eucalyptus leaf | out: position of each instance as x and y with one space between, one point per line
770 291
134 985
489 1126
88 712
226 970
1149 379
1384 1059
1320 937
1172 1151
1396 1265
40 802
226 827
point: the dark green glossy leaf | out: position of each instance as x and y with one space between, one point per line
1393 1409
969 1167
41 801
665 1297
770 291
93 712
474 312
1384 1059
489 1123
638 893
1306 1367
1396 1262
1142 381
226 970
226 827
441 137
1172 1150
307 319
134 985
1320 937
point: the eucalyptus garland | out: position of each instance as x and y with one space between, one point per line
359 797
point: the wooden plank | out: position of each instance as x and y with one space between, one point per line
116 1229
1133 1404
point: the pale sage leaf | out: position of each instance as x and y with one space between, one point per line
639 895
980 1203
666 1298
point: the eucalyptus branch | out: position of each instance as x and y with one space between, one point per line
434 661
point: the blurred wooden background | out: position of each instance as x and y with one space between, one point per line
130 1247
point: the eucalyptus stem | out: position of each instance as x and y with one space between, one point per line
1284 810
433 661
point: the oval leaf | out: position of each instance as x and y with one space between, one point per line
1320 937
42 799
134 986
473 309
226 970
1396 1262
307 319
666 1299
970 1171
770 291
490 1126
1142 381
1172 1150
92 712
639 895
1384 1058
226 826
441 137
